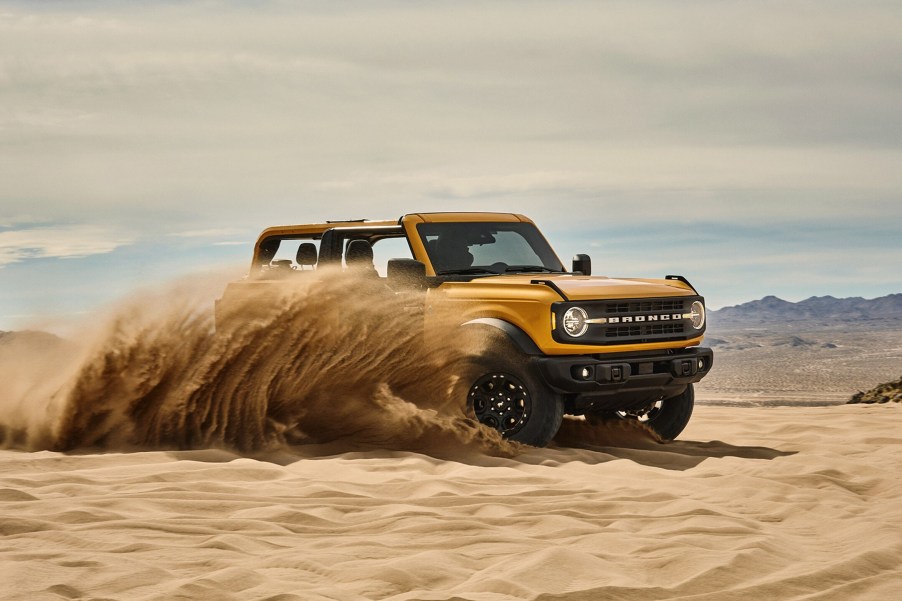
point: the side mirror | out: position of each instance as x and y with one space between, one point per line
582 264
406 273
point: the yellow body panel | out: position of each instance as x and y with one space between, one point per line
514 298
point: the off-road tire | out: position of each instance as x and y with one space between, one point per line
667 417
503 393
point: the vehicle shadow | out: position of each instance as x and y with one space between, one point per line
577 441
619 439
679 455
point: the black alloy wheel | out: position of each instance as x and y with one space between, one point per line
503 391
501 402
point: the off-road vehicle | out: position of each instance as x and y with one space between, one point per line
565 342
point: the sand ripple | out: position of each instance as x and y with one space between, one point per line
800 503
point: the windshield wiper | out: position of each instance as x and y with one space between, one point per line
466 271
529 268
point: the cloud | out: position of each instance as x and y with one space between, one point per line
219 232
203 107
59 242
196 125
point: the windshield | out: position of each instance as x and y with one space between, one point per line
487 247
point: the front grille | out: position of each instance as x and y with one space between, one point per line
645 331
645 306
635 321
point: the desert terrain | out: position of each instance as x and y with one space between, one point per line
818 351
752 503
801 365
124 476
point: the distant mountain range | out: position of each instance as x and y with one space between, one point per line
10 336
819 309
32 339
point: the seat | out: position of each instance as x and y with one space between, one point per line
451 253
306 256
359 256
278 269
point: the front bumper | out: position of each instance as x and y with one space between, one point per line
626 381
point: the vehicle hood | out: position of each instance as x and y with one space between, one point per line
576 287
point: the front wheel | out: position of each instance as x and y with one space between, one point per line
667 417
505 395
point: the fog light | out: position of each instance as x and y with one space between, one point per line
582 372
701 364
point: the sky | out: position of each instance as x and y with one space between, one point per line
753 147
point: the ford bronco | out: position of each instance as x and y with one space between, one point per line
563 341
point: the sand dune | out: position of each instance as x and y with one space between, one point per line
794 503
360 479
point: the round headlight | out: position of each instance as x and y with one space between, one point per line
575 322
697 315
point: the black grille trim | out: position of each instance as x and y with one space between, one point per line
650 320
646 306
642 331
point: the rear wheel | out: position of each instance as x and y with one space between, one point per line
505 395
667 417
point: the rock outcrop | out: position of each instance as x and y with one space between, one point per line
890 392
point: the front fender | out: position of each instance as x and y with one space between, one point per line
516 336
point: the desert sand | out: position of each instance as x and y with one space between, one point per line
292 453
750 503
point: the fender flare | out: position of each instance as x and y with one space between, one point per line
517 336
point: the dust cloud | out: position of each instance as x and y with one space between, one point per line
335 360
315 361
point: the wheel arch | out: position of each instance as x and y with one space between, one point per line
512 332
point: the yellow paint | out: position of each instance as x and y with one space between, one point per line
513 298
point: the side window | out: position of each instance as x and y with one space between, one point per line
390 248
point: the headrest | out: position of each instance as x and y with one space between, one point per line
306 254
359 252
454 256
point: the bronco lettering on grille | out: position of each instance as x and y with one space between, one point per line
643 318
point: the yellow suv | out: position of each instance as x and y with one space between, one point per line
563 341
